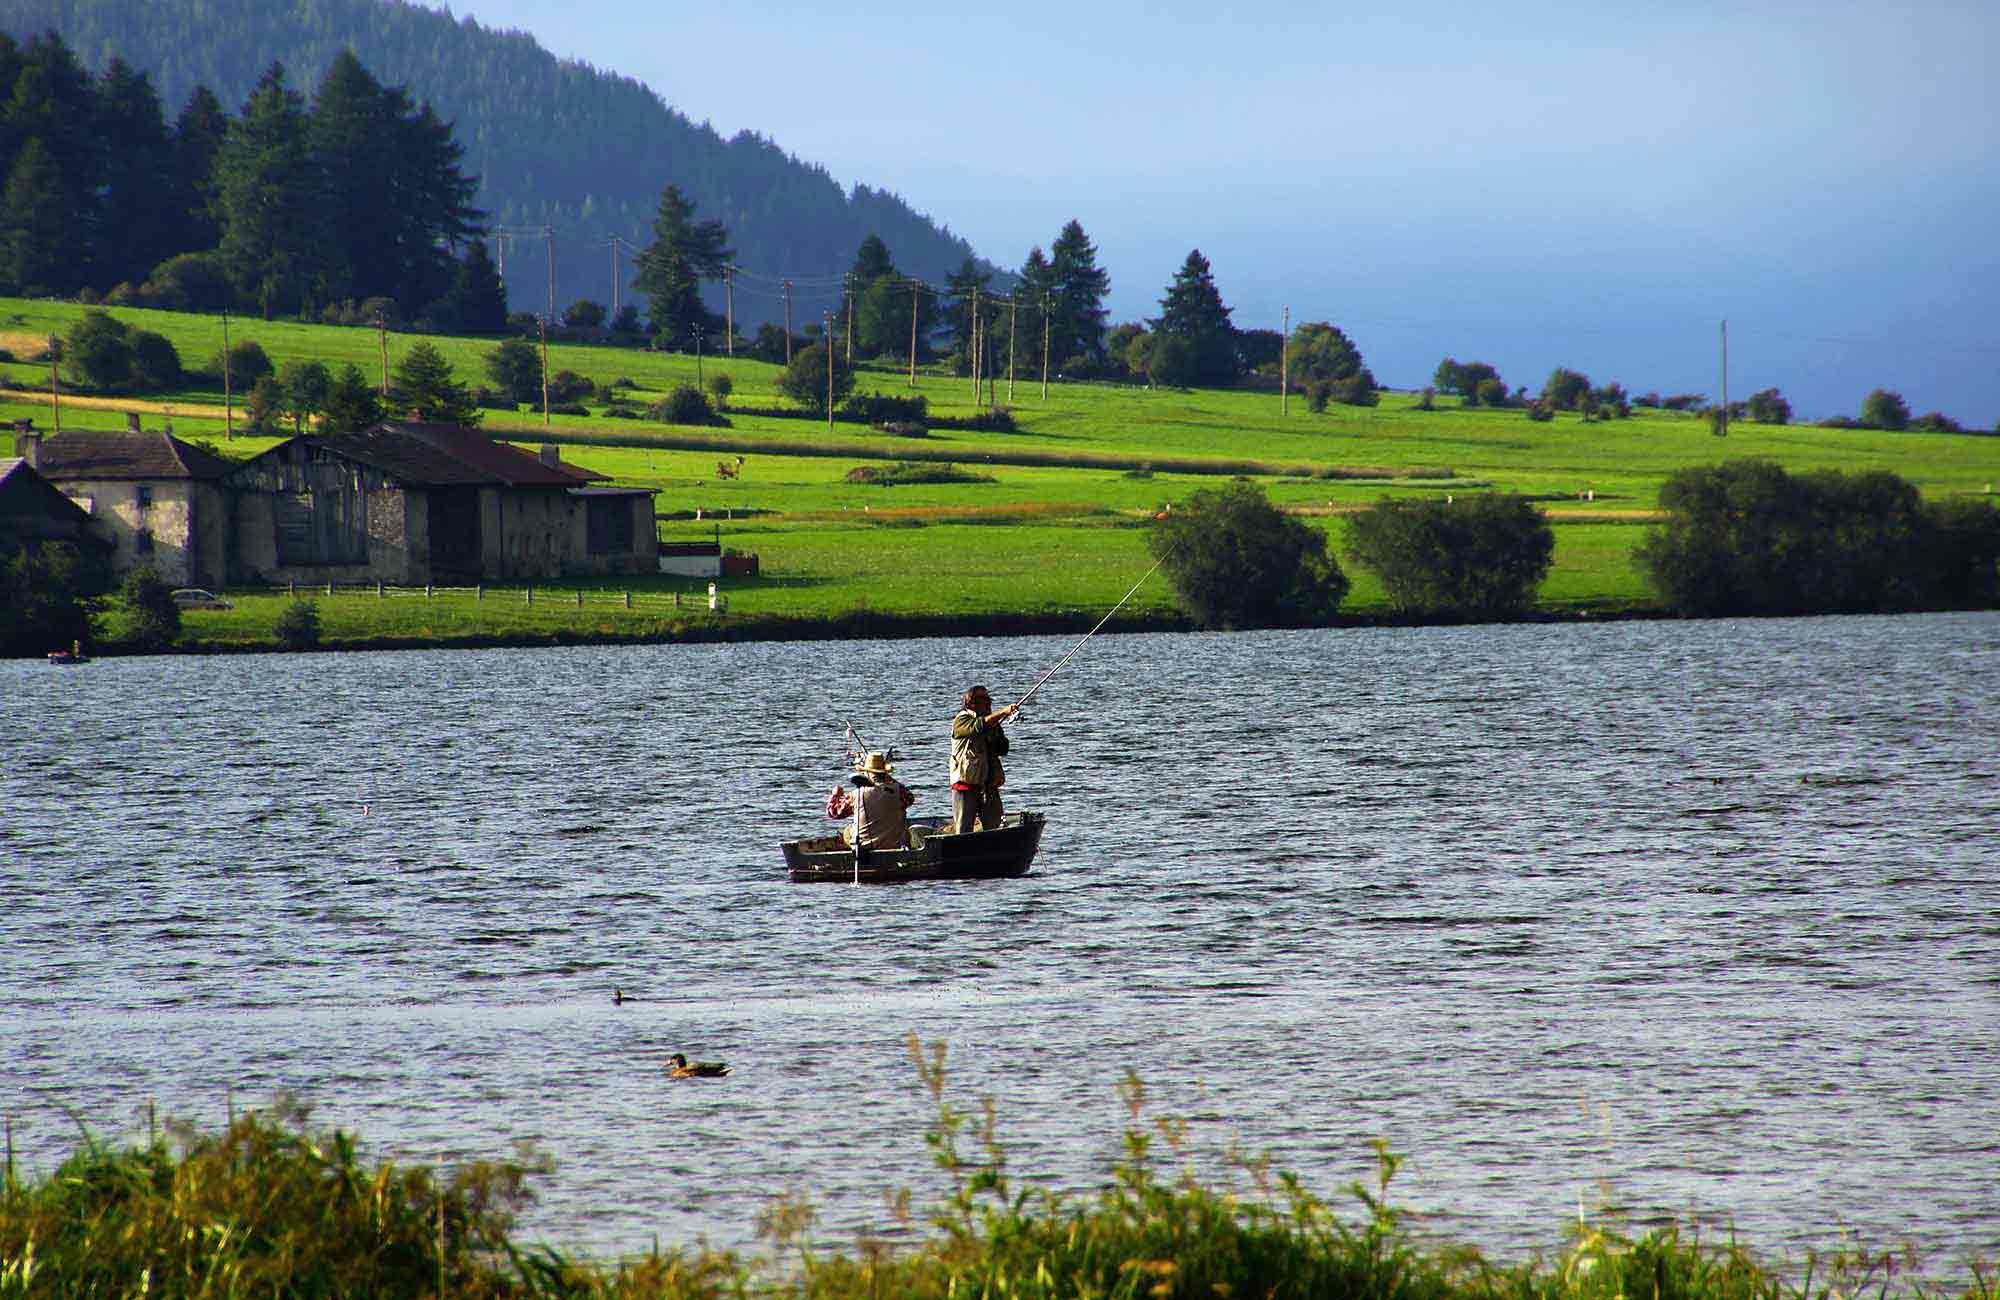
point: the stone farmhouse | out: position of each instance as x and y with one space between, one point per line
156 499
34 513
402 503
412 504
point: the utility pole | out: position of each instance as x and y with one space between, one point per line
915 289
382 338
1722 424
1045 347
545 371
849 286
55 384
697 356
975 345
826 332
788 321
1284 370
729 309
228 402
549 236
1013 304
616 242
500 242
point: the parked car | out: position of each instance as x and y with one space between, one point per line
196 598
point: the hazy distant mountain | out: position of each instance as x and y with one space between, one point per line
555 142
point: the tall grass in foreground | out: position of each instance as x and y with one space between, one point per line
267 1208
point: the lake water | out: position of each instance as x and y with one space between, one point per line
1690 920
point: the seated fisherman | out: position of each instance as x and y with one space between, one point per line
878 805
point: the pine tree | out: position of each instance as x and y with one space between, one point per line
35 225
684 252
422 384
51 104
137 203
352 404
199 133
1077 320
478 300
1193 310
268 196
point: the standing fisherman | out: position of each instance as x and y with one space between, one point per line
977 744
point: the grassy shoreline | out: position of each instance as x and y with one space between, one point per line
1051 534
269 1206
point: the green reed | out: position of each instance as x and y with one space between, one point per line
269 1208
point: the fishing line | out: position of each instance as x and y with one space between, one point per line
1093 632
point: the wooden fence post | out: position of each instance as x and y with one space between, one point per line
380 590
479 591
531 593
579 598
628 600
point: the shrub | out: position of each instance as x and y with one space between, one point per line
1482 557
247 365
265 405
1937 422
721 386
1356 390
568 408
98 351
1491 392
152 619
905 472
50 596
155 363
566 387
686 404
886 408
805 381
1685 402
1171 362
1234 559
515 366
298 626
1565 388
1542 412
189 282
1769 407
1883 409
1746 537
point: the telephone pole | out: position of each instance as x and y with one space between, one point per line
545 371
975 345
228 399
849 287
826 333
1722 424
382 338
549 237
1045 347
1013 304
914 291
1284 370
729 309
788 321
55 384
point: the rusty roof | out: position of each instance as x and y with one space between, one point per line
437 455
122 454
509 464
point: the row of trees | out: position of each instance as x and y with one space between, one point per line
1740 538
288 206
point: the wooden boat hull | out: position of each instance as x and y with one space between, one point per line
1006 850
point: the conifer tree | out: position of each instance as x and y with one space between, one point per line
684 252
422 385
268 197
35 225
1193 310
139 217
1077 320
478 300
199 133
352 404
50 104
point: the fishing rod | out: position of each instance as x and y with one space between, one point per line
1093 632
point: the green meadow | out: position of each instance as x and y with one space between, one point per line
1054 524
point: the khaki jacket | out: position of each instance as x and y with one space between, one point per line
879 819
975 759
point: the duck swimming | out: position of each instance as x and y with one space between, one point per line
679 1067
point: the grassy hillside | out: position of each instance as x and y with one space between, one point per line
1057 527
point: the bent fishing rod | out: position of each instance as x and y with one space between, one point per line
1093 632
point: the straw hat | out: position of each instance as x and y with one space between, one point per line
875 764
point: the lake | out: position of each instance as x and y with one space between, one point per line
1694 921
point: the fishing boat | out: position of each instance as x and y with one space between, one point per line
936 854
74 655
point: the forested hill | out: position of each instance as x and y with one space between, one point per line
554 142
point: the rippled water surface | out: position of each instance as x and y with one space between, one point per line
1695 920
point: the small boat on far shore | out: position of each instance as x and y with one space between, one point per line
935 854
73 655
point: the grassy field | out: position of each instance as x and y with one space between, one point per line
1057 527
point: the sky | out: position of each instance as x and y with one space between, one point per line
1593 185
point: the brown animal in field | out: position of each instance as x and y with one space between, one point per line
723 469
